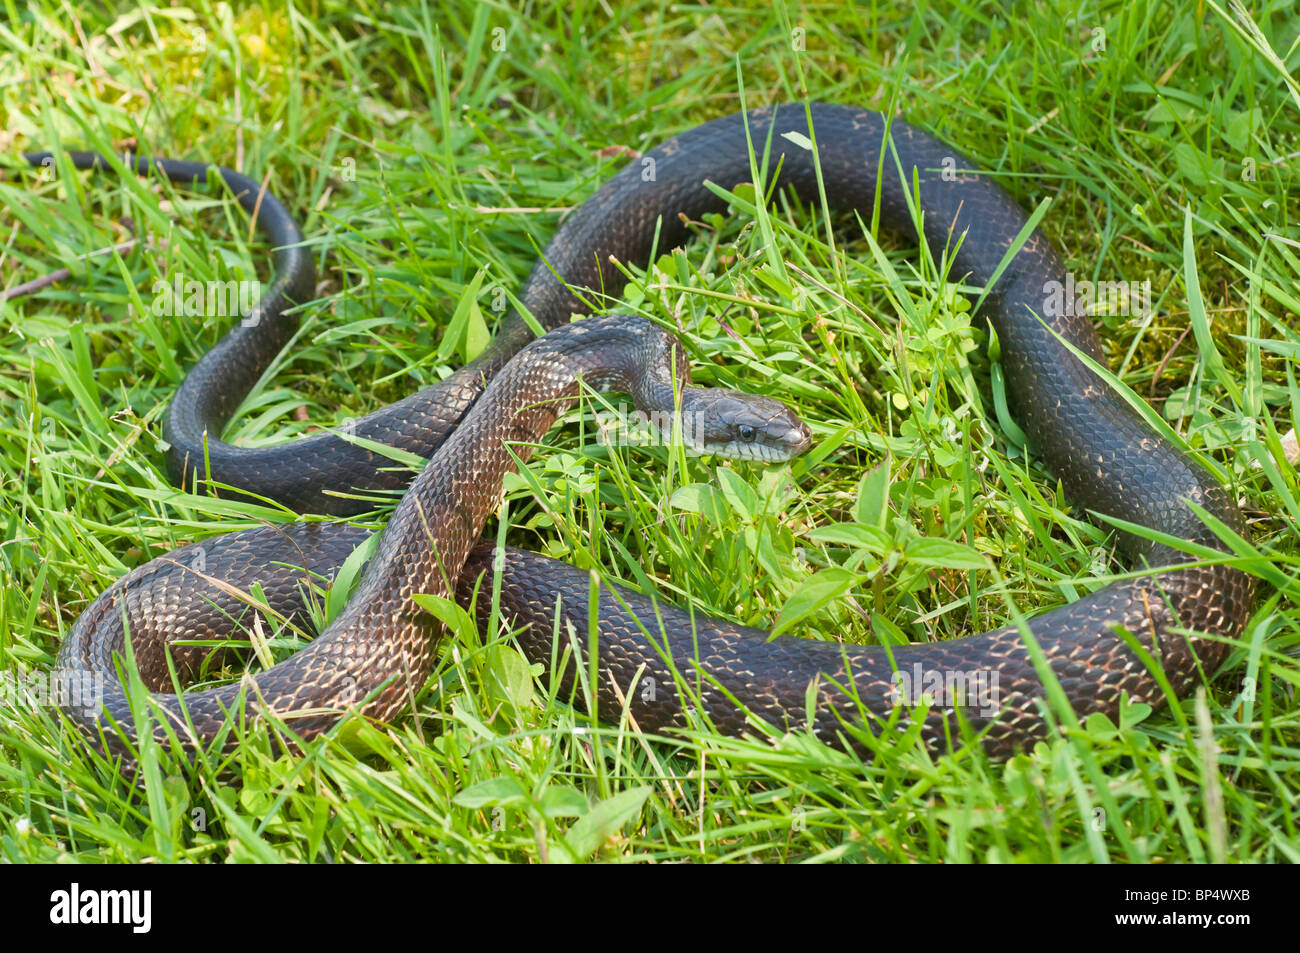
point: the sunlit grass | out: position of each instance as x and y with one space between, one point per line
425 150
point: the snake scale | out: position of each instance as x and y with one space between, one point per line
376 655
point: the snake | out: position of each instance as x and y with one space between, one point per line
1147 637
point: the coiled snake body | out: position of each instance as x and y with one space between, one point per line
377 654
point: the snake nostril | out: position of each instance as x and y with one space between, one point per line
798 438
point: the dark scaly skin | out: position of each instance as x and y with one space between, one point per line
377 653
1107 459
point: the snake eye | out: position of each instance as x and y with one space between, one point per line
746 433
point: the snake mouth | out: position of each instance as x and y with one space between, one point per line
775 448
761 454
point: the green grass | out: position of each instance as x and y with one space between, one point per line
424 149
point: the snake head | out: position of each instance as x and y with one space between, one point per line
742 426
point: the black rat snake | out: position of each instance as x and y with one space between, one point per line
377 654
